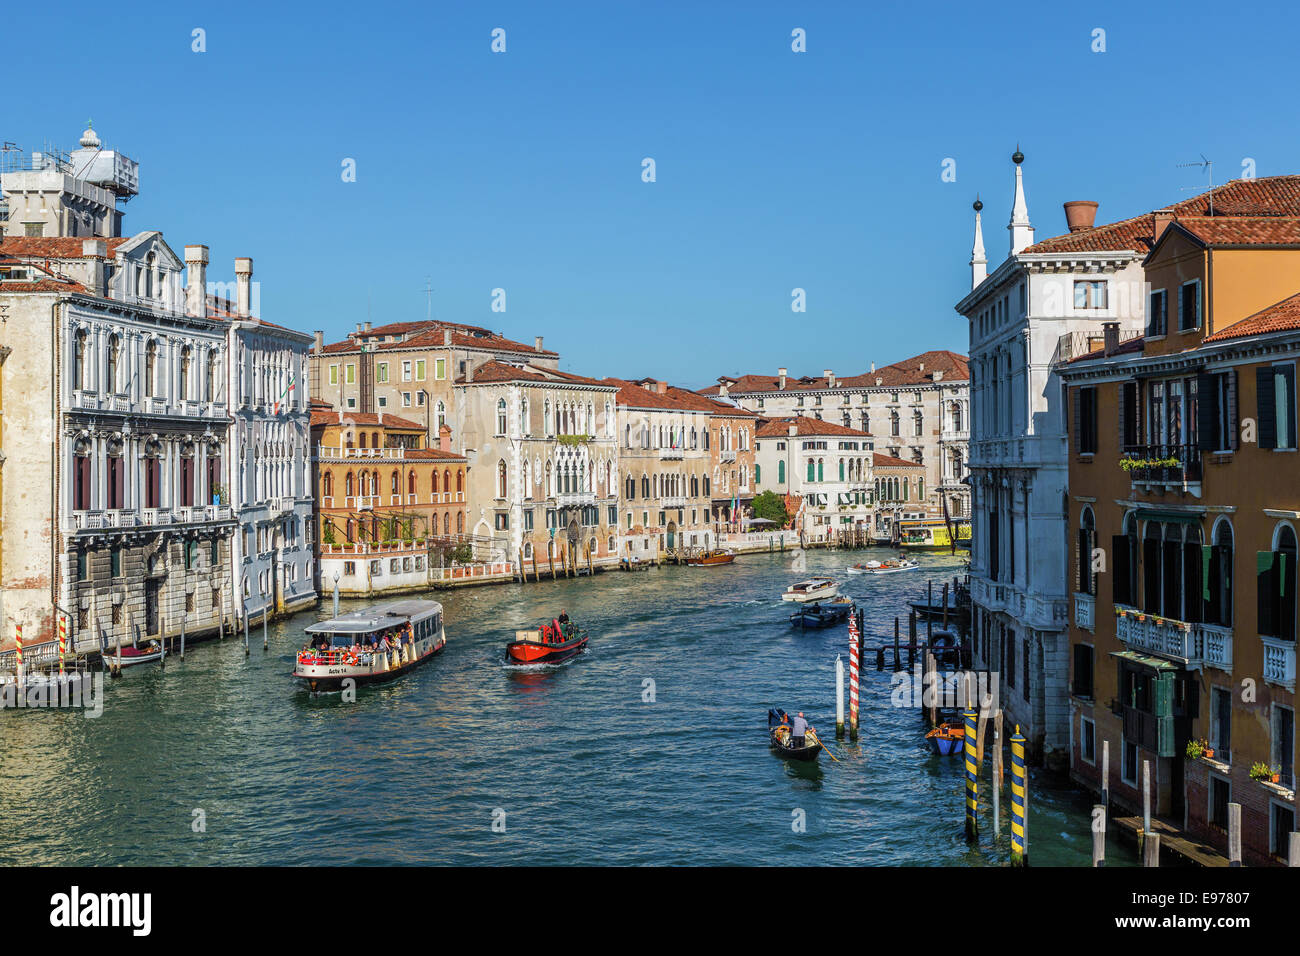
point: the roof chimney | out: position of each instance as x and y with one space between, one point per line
95 252
781 373
367 325
319 345
444 437
1163 218
537 344
446 336
830 378
1110 336
794 429
358 332
873 366
196 280
1080 214
722 389
243 285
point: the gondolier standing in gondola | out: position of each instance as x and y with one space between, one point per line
798 727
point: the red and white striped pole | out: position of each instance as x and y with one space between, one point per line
853 675
18 650
63 640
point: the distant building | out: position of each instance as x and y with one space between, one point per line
827 467
390 511
917 409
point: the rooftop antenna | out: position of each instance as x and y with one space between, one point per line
1208 166
428 295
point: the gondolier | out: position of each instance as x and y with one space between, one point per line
798 728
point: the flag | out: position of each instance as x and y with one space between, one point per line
275 409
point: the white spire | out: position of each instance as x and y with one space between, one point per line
1022 233
979 265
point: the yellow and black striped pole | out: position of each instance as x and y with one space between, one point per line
1019 856
972 780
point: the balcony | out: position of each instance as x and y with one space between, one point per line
1085 607
727 456
371 502
1178 465
576 499
673 502
1189 644
1157 635
1279 662
672 454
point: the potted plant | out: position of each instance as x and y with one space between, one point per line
1260 771
1275 774
1209 751
1194 750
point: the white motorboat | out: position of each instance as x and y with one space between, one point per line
814 589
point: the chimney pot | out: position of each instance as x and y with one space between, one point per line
1110 336
1162 220
359 327
1080 214
243 285
446 336
781 375
537 343
367 325
320 342
196 280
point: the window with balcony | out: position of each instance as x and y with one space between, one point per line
1275 587
1084 578
1082 681
1218 591
1283 745
1275 391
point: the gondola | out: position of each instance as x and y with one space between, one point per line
548 644
778 733
822 615
708 559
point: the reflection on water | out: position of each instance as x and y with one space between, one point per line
651 747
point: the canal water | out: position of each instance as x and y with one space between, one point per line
651 748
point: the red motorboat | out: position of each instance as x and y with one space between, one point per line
548 644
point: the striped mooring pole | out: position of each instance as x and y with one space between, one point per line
853 676
839 698
18 651
1018 855
63 640
972 778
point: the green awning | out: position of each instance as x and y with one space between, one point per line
1146 660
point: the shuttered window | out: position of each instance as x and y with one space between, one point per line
1085 420
1189 305
1158 313
1129 433
1216 425
1275 395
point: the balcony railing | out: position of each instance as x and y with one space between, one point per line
1192 644
726 456
575 499
671 454
333 451
1216 646
1084 611
1164 464
1279 662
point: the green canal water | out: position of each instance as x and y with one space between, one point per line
651 748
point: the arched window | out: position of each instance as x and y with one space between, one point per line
1086 580
363 439
821 469
151 368
114 356
1277 584
501 417
434 479
460 522
460 481
186 356
79 377
214 374
441 417
501 479
1219 609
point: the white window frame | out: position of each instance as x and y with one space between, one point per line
1200 306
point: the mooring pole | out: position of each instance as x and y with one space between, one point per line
182 637
839 698
972 779
997 773
266 641
1234 834
853 677
336 594
1151 852
1105 773
1019 790
1099 835
1146 802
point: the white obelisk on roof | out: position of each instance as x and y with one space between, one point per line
979 264
1022 233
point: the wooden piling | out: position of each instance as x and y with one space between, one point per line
945 605
266 640
536 576
972 779
1234 834
1293 849
928 679
550 556
1098 835
1105 772
897 658
997 773
1151 851
1146 802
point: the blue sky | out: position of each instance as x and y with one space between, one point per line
775 170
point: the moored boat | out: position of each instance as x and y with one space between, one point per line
884 567
933 535
131 655
778 734
946 739
548 644
709 558
825 614
814 589
372 645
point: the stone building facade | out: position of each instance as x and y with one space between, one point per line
827 468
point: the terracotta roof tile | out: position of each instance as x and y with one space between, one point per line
1280 317
888 461
917 370
325 414
780 427
53 247
1243 231
494 371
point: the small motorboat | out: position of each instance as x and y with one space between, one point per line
885 567
704 559
548 644
946 739
778 733
133 654
825 614
634 564
814 589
